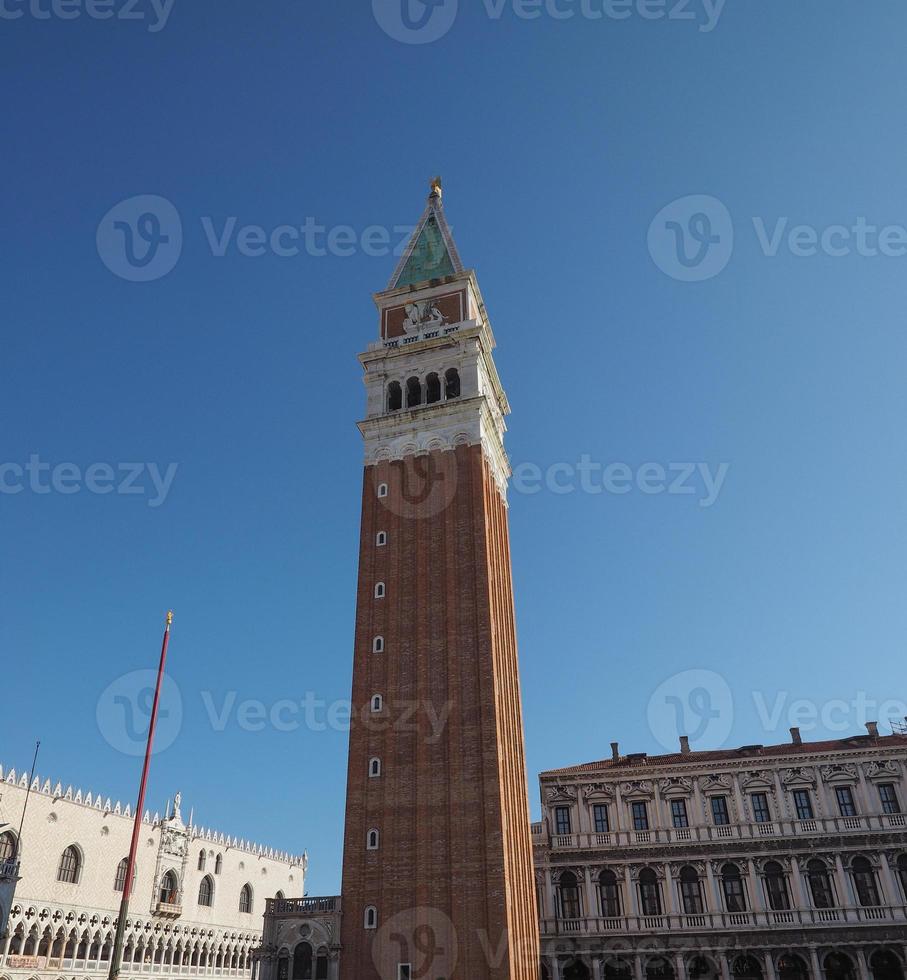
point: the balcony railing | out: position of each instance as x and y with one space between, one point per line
303 906
767 919
9 869
725 832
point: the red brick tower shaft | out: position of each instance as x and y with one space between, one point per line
437 873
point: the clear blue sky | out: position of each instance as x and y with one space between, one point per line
559 142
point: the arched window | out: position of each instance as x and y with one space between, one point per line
413 393
321 967
609 891
864 882
206 891
902 874
839 966
820 884
394 397
218 864
372 840
568 896
452 383
378 644
169 888
734 891
280 897
691 891
649 892
245 899
371 917
374 768
432 389
119 882
746 967
7 847
379 590
884 965
382 489
202 858
377 703
70 865
302 962
776 887
792 967
381 539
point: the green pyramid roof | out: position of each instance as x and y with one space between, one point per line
430 257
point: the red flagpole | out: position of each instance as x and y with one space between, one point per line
139 810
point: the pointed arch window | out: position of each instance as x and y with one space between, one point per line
452 383
169 889
374 768
119 882
218 864
206 892
372 840
371 917
245 898
202 858
70 865
7 847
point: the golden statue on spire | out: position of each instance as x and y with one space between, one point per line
436 190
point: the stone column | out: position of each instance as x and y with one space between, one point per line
816 965
862 965
889 887
680 966
671 890
770 972
591 899
799 893
843 884
715 895
555 968
725 969
637 967
597 971
549 911
758 896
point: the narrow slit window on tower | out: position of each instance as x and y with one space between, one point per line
379 590
432 389
372 841
382 489
394 397
381 539
378 644
374 768
371 917
413 393
452 383
377 703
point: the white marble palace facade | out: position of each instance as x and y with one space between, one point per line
196 909
762 863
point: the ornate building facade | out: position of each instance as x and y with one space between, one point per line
196 907
786 862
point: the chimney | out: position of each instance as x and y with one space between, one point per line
873 728
615 751
684 744
796 737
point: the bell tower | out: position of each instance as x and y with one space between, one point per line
437 870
